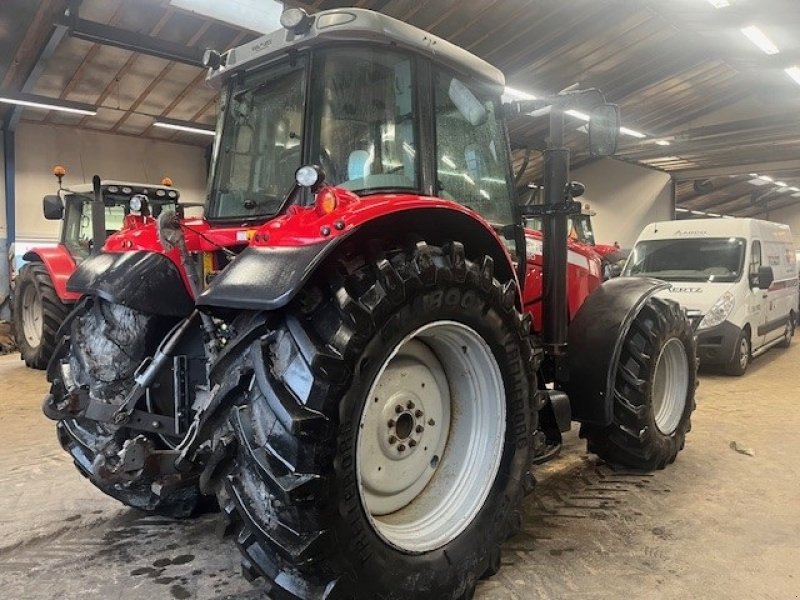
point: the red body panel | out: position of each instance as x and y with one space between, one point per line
605 249
584 275
302 226
60 265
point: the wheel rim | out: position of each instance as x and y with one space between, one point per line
440 396
744 352
670 386
31 316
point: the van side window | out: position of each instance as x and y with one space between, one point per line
755 258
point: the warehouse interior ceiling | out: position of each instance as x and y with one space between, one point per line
698 99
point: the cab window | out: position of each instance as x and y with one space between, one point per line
755 259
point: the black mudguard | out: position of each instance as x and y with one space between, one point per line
265 278
595 339
145 281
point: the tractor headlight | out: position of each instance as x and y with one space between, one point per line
719 312
533 247
126 190
137 202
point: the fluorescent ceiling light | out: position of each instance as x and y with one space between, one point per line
632 132
681 210
782 184
578 115
755 35
757 181
719 3
662 142
795 189
697 212
44 103
184 126
794 73
512 94
766 178
714 215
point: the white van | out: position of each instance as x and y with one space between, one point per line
736 278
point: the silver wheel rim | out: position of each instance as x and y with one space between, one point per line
744 353
431 437
31 316
670 386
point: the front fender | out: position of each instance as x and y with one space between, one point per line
60 265
595 340
145 281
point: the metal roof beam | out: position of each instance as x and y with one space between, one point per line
743 168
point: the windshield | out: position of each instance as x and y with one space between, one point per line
261 144
579 228
707 259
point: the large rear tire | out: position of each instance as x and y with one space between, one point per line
107 343
654 387
38 313
383 445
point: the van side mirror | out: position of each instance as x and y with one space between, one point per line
604 124
764 278
53 207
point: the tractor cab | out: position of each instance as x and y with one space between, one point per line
126 204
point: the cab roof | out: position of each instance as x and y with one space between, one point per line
358 25
726 227
86 188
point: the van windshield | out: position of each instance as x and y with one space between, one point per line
708 259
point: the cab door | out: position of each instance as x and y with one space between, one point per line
757 301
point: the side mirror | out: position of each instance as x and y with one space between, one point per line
53 207
576 189
764 278
604 127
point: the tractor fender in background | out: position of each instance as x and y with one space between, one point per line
145 281
59 264
269 277
595 341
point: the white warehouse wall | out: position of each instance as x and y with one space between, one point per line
625 197
85 153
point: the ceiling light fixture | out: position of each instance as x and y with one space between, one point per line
511 94
632 132
714 215
759 38
782 184
682 210
44 103
794 73
766 178
185 126
578 115
698 212
662 142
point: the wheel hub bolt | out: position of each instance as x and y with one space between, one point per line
391 423
412 443
418 414
431 422
410 405
401 447
420 429
398 409
392 439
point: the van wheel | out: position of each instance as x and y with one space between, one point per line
788 333
741 357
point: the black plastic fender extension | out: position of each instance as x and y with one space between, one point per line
145 281
595 340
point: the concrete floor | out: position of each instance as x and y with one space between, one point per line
717 524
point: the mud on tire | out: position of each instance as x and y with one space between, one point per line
295 483
107 343
34 285
644 433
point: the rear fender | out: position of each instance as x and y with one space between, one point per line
595 340
60 265
267 277
145 281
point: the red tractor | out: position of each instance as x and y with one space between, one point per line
341 351
41 295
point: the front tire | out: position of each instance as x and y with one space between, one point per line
742 355
38 313
361 365
655 380
107 343
788 333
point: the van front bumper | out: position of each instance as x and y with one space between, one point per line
717 345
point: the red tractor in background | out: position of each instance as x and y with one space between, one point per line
341 350
42 300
